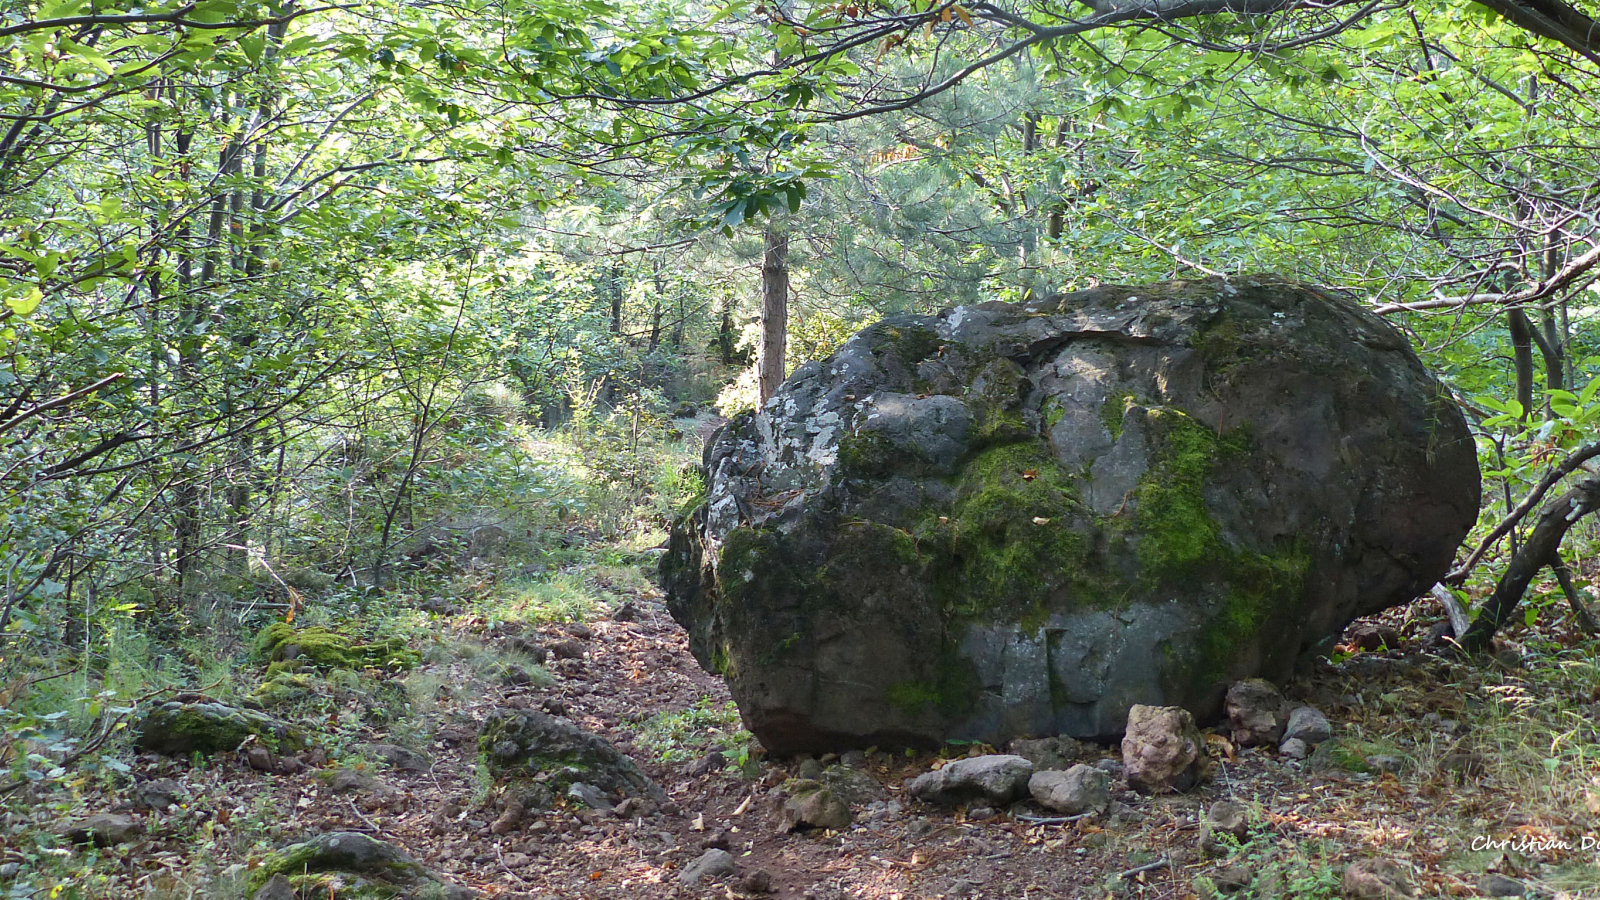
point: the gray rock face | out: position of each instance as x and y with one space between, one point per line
1017 520
711 864
813 806
521 743
997 779
1307 723
1080 789
1162 751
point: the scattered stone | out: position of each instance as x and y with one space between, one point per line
1225 819
517 860
711 864
919 827
1382 762
813 806
1464 765
711 762
512 675
1308 724
260 758
1231 879
276 888
1032 430
397 757
853 759
1294 748
721 839
1080 789
1376 879
580 631
1047 753
1162 750
348 781
589 796
1496 885
510 818
809 769
378 866
757 882
853 786
103 830
1256 713
157 794
1111 766
524 744
981 813
997 778
178 728
568 649
1372 638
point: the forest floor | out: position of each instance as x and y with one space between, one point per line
1497 773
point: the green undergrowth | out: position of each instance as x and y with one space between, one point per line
693 732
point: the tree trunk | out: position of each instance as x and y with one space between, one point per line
1522 357
1540 550
774 309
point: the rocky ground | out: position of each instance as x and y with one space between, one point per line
1420 765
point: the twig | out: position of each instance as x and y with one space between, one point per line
1140 870
1459 621
1581 609
1052 820
1567 467
59 401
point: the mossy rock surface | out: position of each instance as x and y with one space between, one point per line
349 865
1020 520
284 646
178 728
519 745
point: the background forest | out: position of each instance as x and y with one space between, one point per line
360 315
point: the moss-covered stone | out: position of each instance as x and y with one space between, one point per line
281 643
353 866
524 744
286 689
177 728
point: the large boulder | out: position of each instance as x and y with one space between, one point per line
1011 520
201 725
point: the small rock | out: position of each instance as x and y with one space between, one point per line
512 675
721 839
1110 766
1224 820
1464 765
1308 724
517 860
397 757
1496 885
580 631
1376 879
510 818
157 794
981 813
627 612
1373 638
996 778
1255 713
814 806
1381 762
276 888
261 759
853 759
589 796
1294 748
757 882
568 649
1080 789
103 830
711 762
1230 879
711 864
1162 750
630 807
1054 753
347 781
810 770
918 827
1439 635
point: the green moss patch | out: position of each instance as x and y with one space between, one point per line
281 642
